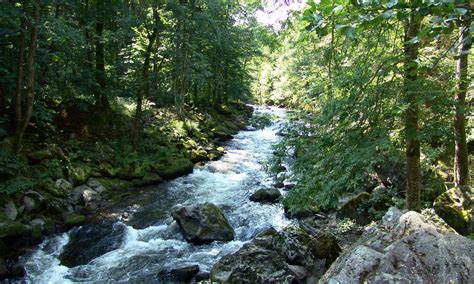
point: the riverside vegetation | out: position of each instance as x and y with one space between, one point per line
104 100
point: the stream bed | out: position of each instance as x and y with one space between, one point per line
149 242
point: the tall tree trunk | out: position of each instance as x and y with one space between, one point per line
461 161
30 87
144 89
19 72
412 142
101 98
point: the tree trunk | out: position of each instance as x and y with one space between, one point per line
30 89
461 161
412 151
101 98
144 89
19 72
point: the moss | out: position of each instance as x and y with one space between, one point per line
115 184
453 207
75 220
12 229
37 233
79 174
108 170
174 168
151 178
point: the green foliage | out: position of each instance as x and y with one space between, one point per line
16 185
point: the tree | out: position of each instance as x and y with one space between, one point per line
461 161
24 118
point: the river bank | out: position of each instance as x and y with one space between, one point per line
72 182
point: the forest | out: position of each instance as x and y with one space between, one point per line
302 141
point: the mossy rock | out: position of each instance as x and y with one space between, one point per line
174 168
115 184
79 174
75 219
41 155
108 170
198 155
456 207
13 230
151 179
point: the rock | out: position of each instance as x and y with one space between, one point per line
185 274
13 230
29 203
175 168
269 195
406 248
91 241
201 276
272 256
456 207
64 185
74 219
279 184
10 210
79 174
58 206
289 186
83 195
151 179
96 185
38 222
356 209
115 184
203 223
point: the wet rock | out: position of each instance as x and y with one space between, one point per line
201 276
291 255
456 207
279 184
185 274
406 248
355 209
289 186
10 210
269 195
151 179
91 241
203 223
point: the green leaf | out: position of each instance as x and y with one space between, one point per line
413 41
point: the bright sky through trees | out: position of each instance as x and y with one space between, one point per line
277 11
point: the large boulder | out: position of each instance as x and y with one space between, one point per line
91 241
203 223
291 255
406 248
456 207
266 195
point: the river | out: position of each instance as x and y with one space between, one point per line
152 242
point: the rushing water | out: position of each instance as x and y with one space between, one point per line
153 243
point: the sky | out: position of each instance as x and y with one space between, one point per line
276 11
